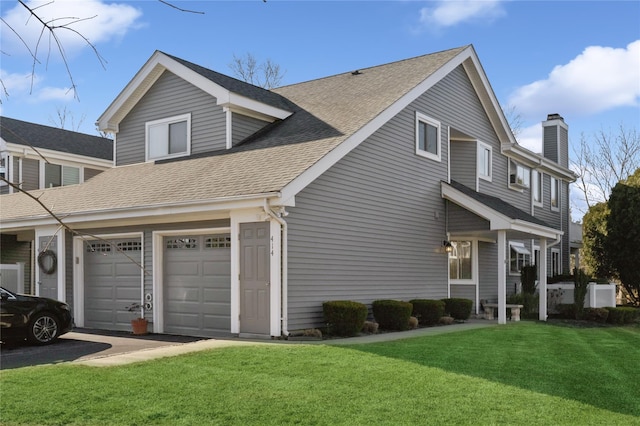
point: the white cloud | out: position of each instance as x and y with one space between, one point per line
97 21
531 138
55 94
599 79
448 13
17 83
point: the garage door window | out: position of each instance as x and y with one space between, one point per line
217 241
130 246
98 247
182 243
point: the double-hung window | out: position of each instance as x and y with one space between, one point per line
427 137
519 175
460 261
555 194
169 137
536 187
519 256
484 161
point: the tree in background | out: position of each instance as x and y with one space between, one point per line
266 75
622 242
594 235
605 160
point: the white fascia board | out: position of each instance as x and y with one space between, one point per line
150 72
533 160
326 162
252 106
25 151
145 214
485 88
497 220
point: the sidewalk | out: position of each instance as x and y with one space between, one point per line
184 348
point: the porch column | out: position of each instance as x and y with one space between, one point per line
542 280
502 277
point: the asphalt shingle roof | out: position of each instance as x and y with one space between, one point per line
325 113
499 205
55 139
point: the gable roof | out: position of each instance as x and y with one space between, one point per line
228 92
499 213
325 119
45 137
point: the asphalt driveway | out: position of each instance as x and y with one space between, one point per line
84 344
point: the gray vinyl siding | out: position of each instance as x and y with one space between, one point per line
461 220
464 291
89 173
563 154
550 143
488 271
464 162
68 268
243 126
372 226
171 96
30 174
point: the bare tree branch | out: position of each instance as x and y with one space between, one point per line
179 8
266 75
604 160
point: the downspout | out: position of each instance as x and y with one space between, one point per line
285 266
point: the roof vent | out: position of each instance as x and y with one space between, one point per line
356 72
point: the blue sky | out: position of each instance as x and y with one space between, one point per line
580 59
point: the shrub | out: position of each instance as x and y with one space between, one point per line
528 276
344 317
530 303
616 315
581 283
459 309
427 311
630 314
566 310
392 314
595 314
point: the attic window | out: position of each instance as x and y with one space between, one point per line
169 137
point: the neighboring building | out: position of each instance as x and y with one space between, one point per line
239 210
34 156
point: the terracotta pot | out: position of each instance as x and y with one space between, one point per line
139 326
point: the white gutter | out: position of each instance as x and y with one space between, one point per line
285 266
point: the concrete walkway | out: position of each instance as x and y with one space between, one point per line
201 345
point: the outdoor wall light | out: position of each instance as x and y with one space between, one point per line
448 248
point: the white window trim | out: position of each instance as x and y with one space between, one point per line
558 193
425 119
533 200
553 251
521 249
168 121
474 263
518 186
482 147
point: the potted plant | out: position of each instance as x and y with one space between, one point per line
138 324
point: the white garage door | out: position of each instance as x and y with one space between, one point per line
197 285
112 280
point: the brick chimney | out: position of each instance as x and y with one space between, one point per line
555 139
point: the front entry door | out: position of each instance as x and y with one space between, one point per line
48 283
255 288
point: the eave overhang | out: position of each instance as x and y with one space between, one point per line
497 220
153 69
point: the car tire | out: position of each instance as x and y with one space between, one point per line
44 328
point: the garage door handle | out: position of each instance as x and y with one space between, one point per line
267 284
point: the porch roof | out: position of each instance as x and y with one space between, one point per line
500 214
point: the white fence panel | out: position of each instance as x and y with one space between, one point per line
12 277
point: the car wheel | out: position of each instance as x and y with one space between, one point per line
43 329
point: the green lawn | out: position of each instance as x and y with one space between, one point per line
523 374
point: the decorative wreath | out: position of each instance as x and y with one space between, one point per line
48 261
